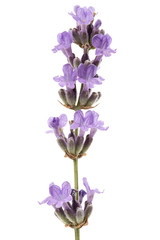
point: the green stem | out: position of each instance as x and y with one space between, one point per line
76 177
77 231
77 234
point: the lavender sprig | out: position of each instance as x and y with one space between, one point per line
67 201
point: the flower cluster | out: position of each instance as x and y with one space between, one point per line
67 208
87 35
77 144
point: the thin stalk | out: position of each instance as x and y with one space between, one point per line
76 177
77 234
76 187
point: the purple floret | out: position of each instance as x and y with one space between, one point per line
56 123
58 196
86 75
90 192
69 77
65 40
83 16
89 121
102 44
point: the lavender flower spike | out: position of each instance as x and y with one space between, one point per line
69 77
56 123
86 75
65 40
102 44
58 196
83 16
90 192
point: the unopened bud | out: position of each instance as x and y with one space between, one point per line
79 215
62 94
71 145
88 211
102 31
89 28
62 144
71 97
92 99
79 144
86 144
76 62
98 23
69 213
76 37
84 97
99 95
84 37
84 57
61 216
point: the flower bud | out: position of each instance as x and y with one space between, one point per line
89 28
79 215
75 204
76 37
62 144
99 96
71 97
61 216
92 99
69 213
62 94
76 62
79 144
87 144
71 145
88 211
83 97
98 23
102 31
84 37
84 57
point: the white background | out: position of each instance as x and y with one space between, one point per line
124 160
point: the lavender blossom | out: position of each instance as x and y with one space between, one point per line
97 24
57 123
58 196
67 208
86 75
89 121
90 192
83 16
69 77
69 204
102 44
65 40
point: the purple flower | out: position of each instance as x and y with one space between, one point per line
97 24
83 16
90 192
69 77
86 75
82 193
56 123
64 39
90 120
102 44
58 196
